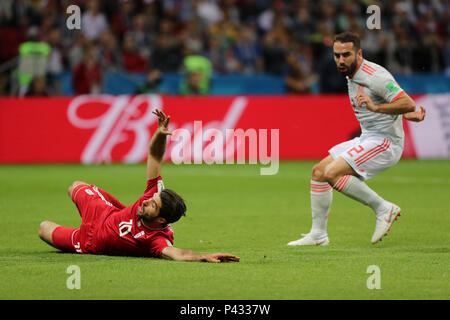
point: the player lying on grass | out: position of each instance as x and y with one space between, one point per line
110 228
379 105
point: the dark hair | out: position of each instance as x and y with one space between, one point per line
348 36
172 206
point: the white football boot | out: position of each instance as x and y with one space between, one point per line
384 223
307 240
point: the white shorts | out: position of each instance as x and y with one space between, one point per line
368 156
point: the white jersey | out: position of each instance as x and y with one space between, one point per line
375 81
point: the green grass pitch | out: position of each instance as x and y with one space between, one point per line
233 209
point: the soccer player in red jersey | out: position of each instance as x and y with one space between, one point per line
143 229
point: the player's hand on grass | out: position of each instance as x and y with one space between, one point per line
221 257
163 122
416 116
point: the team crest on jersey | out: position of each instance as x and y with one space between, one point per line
89 192
140 234
392 87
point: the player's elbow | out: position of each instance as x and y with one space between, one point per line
409 104
410 107
171 253
176 254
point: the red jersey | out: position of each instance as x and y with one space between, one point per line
108 227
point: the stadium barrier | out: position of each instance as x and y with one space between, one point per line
220 129
228 84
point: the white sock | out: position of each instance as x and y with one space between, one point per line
358 190
321 198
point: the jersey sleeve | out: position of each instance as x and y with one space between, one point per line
153 186
386 87
158 244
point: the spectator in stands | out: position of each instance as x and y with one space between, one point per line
143 39
330 79
55 63
296 81
348 9
237 36
76 50
193 36
193 84
121 20
247 51
167 54
152 83
273 14
199 71
87 75
208 11
215 54
109 52
33 57
232 64
248 11
404 16
132 59
151 14
47 24
321 41
403 52
303 26
93 22
376 46
274 48
429 52
38 88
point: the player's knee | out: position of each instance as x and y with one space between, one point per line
317 173
46 229
43 230
331 175
74 184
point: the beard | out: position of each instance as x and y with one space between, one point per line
347 70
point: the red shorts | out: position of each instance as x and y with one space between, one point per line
93 208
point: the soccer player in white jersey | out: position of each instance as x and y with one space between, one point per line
379 105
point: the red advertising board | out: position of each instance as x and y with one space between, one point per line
96 129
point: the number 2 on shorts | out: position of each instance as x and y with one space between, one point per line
359 150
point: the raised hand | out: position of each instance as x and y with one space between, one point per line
163 122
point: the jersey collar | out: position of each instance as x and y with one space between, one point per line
150 228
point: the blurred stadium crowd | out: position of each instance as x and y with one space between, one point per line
285 38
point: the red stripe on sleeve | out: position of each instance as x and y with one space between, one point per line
397 96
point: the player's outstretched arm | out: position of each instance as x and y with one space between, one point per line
177 254
402 105
157 146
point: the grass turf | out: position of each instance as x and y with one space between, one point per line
233 209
